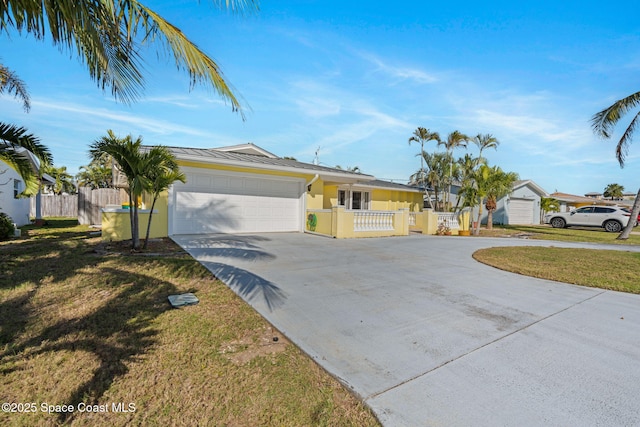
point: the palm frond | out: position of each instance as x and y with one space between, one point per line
622 148
107 36
11 83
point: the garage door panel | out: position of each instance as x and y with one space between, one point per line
521 212
212 203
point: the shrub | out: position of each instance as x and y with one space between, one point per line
6 226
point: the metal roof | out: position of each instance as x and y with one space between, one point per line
214 156
378 183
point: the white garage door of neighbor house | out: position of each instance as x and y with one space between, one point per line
521 211
215 202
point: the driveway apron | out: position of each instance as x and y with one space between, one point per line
427 336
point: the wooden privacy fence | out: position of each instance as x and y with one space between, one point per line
85 205
56 205
91 201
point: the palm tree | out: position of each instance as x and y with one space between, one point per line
15 146
492 183
63 180
499 184
422 136
435 176
131 162
454 140
614 191
97 174
548 204
466 167
108 37
485 141
11 83
603 124
162 171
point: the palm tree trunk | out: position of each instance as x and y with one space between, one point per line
146 237
476 229
136 229
131 225
632 220
489 219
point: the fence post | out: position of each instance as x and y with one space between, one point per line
84 196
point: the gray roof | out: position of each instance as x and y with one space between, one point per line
378 183
211 155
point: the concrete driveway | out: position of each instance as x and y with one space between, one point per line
429 337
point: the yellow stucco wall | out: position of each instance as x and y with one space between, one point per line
381 199
321 196
116 226
323 221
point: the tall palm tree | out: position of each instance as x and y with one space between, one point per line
603 124
162 171
108 37
15 146
11 83
614 191
485 141
435 175
422 136
454 140
131 162
466 167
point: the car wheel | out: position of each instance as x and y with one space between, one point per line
558 223
612 226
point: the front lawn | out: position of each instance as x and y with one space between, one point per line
573 234
616 270
89 326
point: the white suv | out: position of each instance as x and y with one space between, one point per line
611 218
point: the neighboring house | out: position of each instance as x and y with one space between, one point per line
626 197
569 202
521 207
11 185
246 189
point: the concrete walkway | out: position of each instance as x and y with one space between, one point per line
429 337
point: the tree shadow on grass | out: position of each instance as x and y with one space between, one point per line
116 333
28 264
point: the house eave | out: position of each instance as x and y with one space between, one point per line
326 175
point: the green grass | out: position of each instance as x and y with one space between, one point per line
544 232
81 325
614 270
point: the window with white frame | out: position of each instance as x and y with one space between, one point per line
354 199
342 197
17 188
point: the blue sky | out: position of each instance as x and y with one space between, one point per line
356 79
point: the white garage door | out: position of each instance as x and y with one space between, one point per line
521 211
224 202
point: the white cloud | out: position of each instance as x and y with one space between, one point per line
400 73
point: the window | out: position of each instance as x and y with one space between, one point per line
342 198
604 210
358 200
584 210
17 188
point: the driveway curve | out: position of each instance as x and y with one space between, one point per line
427 336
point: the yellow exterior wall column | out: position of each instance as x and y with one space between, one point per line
429 222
